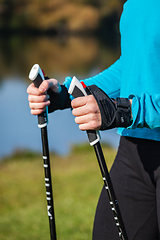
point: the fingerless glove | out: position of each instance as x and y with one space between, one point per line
114 112
59 100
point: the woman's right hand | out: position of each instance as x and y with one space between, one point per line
38 97
87 113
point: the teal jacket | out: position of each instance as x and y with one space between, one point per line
136 74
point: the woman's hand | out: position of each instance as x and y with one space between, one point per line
38 97
87 113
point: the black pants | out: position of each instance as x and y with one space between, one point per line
135 176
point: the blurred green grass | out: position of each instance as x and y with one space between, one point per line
76 186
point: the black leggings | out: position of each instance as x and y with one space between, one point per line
135 176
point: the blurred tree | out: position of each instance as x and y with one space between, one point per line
6 13
59 15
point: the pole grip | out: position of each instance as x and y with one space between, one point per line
77 90
37 77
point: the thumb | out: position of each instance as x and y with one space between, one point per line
50 83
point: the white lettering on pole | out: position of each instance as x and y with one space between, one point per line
48 209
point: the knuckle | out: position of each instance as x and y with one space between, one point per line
44 105
33 112
76 120
92 108
81 127
90 98
46 84
30 105
73 103
73 112
94 125
42 98
28 89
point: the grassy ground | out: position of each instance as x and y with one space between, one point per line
77 183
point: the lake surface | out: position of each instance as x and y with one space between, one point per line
59 58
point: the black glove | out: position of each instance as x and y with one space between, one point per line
59 100
114 112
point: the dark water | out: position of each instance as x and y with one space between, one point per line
59 57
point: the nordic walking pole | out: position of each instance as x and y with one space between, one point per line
76 90
37 77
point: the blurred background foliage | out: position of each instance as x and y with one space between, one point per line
61 35
59 15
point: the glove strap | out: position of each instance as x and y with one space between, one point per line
123 112
114 112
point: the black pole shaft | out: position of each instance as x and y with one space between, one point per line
76 90
37 77
111 194
48 183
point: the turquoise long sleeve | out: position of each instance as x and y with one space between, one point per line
136 74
